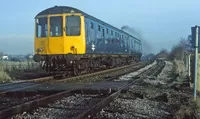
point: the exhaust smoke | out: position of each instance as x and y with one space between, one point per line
146 47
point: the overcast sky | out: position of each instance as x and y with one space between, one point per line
160 23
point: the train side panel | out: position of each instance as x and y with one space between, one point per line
102 39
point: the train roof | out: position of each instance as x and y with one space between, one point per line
67 9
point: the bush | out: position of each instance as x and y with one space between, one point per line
4 77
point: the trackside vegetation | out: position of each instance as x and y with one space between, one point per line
11 70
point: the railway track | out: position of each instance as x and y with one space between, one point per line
106 73
101 75
102 101
153 71
22 85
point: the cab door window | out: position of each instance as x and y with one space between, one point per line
56 26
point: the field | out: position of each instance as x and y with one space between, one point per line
10 71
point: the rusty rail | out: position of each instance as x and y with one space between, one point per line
33 104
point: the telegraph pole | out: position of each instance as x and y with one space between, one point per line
196 61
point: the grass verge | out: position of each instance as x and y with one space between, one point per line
10 71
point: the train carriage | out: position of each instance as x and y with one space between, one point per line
68 40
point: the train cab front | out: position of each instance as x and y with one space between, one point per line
58 34
48 36
59 38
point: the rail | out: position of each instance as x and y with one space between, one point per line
155 70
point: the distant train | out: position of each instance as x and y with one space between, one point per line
68 40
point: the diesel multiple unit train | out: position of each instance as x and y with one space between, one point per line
68 40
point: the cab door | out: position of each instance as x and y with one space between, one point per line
56 39
75 40
41 35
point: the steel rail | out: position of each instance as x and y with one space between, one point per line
96 108
33 104
134 66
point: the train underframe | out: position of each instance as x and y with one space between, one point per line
64 65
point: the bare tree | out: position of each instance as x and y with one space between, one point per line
177 51
186 44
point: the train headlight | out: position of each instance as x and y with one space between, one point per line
40 49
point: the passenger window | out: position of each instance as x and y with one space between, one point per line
99 28
87 30
125 43
91 25
107 30
111 32
103 32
